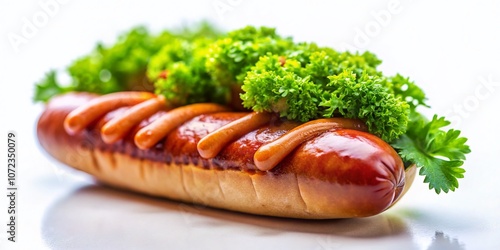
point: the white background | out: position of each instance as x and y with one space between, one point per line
450 48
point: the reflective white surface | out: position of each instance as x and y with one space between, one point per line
449 48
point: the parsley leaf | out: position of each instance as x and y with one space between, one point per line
274 88
408 91
438 153
179 73
119 66
231 57
367 98
309 82
48 87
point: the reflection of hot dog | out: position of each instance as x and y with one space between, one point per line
331 173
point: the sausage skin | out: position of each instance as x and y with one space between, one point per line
339 174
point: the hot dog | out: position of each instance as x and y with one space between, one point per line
338 173
249 121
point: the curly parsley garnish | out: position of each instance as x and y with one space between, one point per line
326 84
119 66
231 57
108 68
179 73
